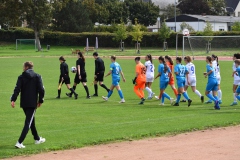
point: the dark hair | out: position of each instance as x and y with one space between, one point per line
236 55
95 54
113 58
81 56
237 61
150 57
188 59
28 64
137 59
169 59
209 59
62 58
216 58
179 59
164 63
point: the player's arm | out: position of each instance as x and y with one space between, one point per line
79 71
109 73
16 91
176 70
41 91
121 72
209 72
136 75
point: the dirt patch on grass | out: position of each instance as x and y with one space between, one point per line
220 144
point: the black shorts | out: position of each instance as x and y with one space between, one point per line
83 78
66 80
99 77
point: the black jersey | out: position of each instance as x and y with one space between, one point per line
63 69
99 66
81 63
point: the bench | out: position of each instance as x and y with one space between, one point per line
89 48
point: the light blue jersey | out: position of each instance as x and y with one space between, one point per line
116 69
238 70
212 84
181 70
181 74
164 78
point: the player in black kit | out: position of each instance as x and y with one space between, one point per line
81 75
99 73
64 77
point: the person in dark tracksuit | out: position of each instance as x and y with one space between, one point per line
99 74
81 75
64 78
30 85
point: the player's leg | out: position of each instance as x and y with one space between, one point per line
109 93
237 93
209 90
84 83
171 83
215 95
60 82
101 76
148 89
95 87
219 94
120 94
234 94
185 88
71 89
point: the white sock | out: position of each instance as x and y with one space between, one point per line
234 97
198 93
149 91
219 94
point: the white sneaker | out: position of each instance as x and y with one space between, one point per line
171 100
157 97
122 101
41 140
152 94
19 145
161 104
105 98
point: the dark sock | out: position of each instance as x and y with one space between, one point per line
86 89
96 89
103 86
72 91
59 93
74 88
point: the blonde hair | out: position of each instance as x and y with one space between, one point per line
28 64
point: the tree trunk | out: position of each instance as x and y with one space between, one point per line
37 40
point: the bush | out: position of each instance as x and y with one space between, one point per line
105 39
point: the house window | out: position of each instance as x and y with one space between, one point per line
221 28
238 14
172 28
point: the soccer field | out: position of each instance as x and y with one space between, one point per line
67 123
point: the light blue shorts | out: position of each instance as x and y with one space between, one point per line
212 85
163 84
181 83
115 82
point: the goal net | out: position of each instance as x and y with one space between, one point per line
207 45
25 44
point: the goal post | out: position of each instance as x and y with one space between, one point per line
205 45
26 44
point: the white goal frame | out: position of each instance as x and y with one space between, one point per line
26 40
183 43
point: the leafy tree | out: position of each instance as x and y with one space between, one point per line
208 31
137 34
194 7
72 18
146 13
164 33
169 12
217 7
184 25
236 26
91 6
121 33
10 13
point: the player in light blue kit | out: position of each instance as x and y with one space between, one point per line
212 84
237 64
164 73
181 72
115 71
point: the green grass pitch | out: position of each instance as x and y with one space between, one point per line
69 123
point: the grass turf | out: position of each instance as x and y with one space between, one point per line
69 123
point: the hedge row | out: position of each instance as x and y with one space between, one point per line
104 39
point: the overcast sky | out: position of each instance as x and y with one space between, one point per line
163 3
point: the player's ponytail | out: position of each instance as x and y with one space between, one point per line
81 56
169 59
164 63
